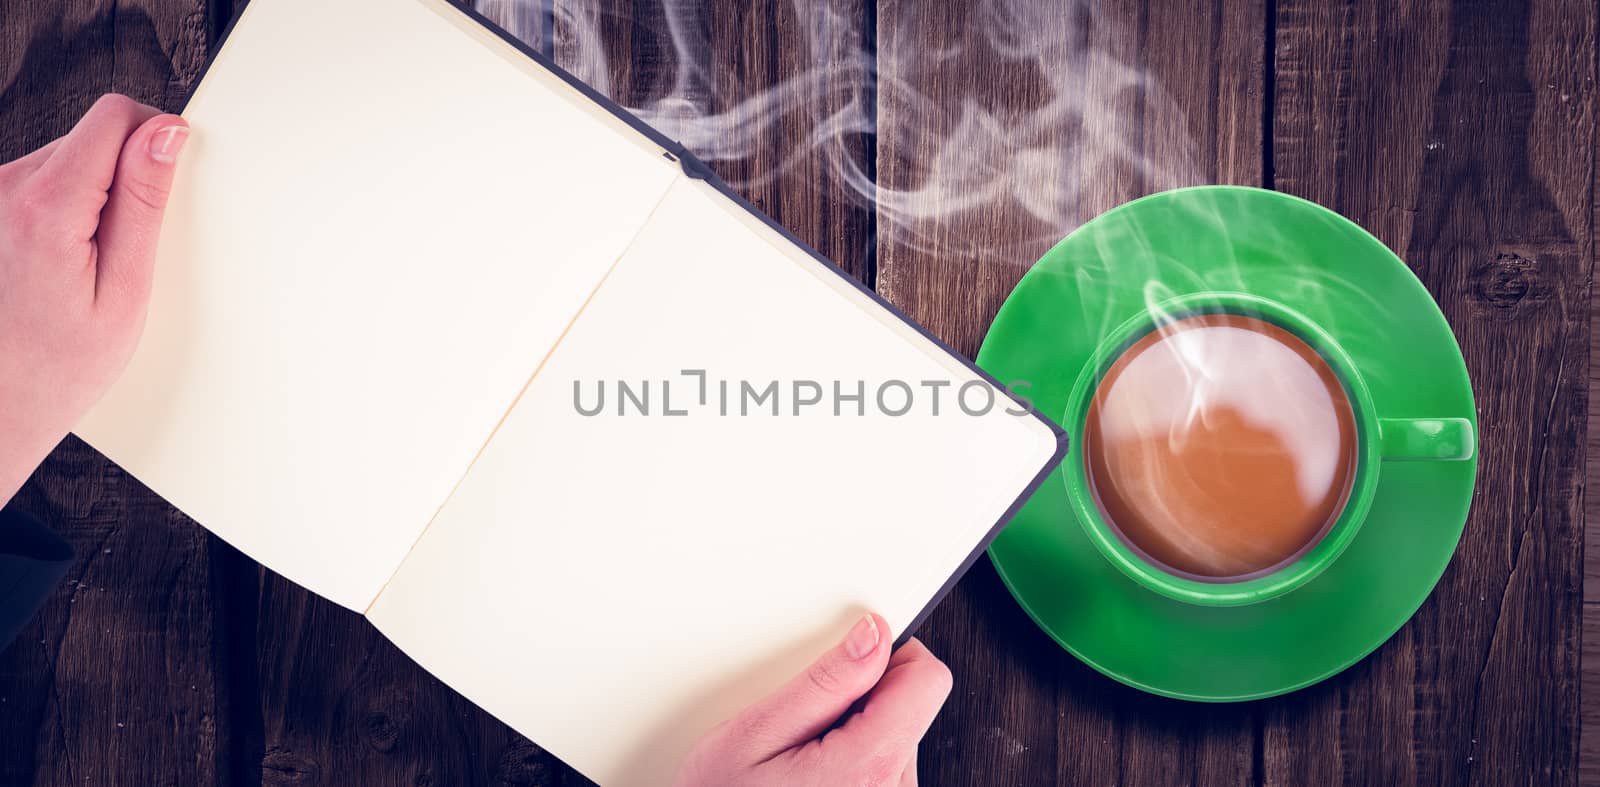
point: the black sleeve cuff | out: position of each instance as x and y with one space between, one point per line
32 561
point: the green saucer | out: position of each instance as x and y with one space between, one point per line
1271 245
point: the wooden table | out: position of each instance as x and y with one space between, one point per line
1462 134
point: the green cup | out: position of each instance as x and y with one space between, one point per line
1378 440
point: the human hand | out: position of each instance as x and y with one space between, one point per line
790 738
79 219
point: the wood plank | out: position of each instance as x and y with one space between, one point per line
54 62
773 94
1589 686
1073 112
339 703
528 20
1462 135
622 48
790 90
121 677
1589 741
1481 184
118 676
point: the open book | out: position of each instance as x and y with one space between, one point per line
449 339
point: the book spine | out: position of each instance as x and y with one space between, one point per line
692 166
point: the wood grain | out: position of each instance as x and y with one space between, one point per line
1462 135
122 675
528 20
623 48
1589 685
764 74
1589 747
792 79
1460 132
341 705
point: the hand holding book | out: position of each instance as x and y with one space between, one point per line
801 734
77 247
75 279
76 255
386 271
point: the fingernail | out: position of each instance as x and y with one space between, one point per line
165 144
862 639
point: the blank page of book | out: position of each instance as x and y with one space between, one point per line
384 219
613 585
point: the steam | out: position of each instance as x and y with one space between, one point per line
1022 121
1023 169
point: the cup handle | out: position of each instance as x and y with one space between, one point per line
1424 439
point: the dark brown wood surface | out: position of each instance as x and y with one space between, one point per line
1460 133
